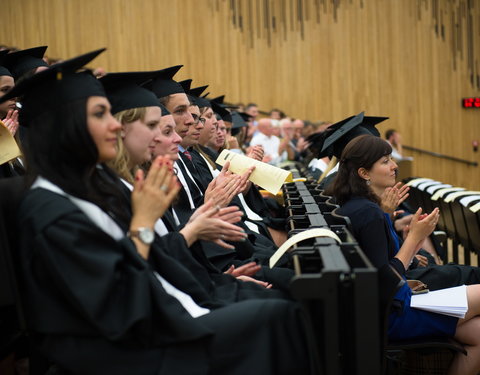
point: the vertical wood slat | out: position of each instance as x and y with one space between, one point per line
381 56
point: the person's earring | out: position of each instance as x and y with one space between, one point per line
368 182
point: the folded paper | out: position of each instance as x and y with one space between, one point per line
266 176
8 146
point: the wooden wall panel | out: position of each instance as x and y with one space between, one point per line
412 60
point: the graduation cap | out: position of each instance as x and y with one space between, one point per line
245 116
202 102
4 71
165 111
56 86
332 141
370 122
20 62
186 84
124 90
239 120
197 91
230 106
163 84
194 94
219 99
224 114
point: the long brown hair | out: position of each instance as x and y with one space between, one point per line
361 152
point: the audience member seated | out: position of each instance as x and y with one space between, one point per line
394 138
267 140
366 170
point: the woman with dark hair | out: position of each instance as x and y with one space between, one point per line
366 171
102 297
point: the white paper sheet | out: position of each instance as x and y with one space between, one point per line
449 301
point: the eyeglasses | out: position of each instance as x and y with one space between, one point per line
197 119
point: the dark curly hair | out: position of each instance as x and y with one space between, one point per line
360 152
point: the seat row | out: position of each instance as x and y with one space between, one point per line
308 207
331 281
459 214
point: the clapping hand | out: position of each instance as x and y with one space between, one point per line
392 197
152 195
11 121
212 223
256 152
422 225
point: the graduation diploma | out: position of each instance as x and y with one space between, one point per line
266 176
8 146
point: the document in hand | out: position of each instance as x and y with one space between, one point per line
450 301
266 176
305 235
8 146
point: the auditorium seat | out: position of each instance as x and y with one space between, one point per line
425 196
415 198
400 357
456 227
470 215
434 203
412 357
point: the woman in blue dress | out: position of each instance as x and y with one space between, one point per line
366 171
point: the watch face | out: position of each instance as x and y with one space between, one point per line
146 235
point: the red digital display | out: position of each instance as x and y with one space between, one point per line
471 102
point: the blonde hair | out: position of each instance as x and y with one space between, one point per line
122 160
331 165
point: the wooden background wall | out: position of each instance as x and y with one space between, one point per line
411 60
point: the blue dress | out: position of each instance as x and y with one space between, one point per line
374 232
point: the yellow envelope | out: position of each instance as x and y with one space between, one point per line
8 146
266 176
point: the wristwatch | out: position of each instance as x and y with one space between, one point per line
144 234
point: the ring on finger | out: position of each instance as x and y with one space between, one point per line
164 188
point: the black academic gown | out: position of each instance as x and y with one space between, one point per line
257 247
200 171
253 197
94 306
11 169
220 286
